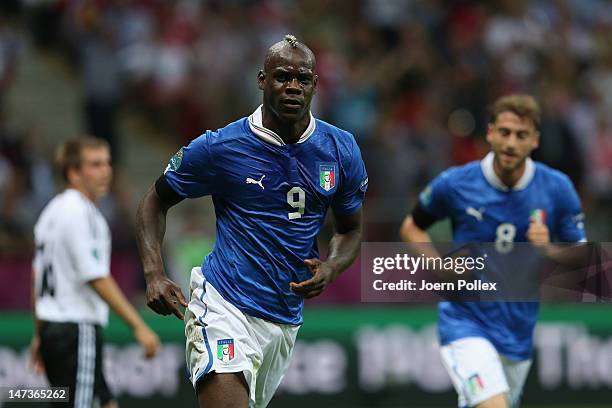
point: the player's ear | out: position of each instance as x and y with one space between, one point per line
536 140
315 80
72 175
261 78
489 133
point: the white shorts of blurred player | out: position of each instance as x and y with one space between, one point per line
222 339
478 372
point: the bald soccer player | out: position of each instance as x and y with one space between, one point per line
272 176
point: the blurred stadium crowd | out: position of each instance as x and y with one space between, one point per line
410 78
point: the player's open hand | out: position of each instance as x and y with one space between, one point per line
165 297
322 275
148 340
36 361
538 234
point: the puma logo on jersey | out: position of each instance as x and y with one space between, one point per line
475 213
258 182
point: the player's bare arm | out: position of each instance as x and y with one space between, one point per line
343 249
572 255
419 242
163 295
36 362
108 290
410 232
417 238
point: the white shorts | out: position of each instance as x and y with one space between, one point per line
222 339
478 372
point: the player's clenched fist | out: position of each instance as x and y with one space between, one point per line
538 234
322 275
148 340
164 297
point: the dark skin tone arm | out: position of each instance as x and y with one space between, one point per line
36 361
163 295
343 249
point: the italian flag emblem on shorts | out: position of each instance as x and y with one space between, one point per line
475 384
225 350
327 177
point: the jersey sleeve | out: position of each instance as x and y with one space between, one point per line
435 198
79 238
351 192
191 171
570 219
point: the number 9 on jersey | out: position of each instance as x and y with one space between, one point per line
296 198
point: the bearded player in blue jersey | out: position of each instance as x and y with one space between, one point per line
505 198
272 176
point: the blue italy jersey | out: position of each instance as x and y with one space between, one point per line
270 201
483 209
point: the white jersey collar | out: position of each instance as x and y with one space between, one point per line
256 125
74 191
486 165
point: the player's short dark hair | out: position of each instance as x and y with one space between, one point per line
289 40
69 154
524 106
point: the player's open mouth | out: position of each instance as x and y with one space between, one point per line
291 102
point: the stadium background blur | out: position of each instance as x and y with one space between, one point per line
411 79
